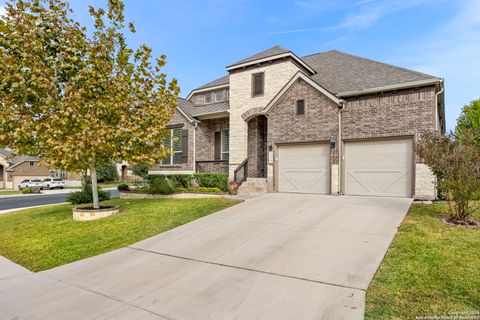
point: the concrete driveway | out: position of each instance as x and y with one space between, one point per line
278 256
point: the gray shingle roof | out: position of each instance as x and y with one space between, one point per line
264 54
5 153
340 72
195 111
218 82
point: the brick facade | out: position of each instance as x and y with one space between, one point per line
205 136
179 119
403 113
394 114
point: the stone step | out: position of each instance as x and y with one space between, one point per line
253 186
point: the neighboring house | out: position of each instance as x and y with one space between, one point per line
14 169
285 121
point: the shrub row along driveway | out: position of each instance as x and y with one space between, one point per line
279 256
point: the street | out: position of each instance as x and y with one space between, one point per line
15 202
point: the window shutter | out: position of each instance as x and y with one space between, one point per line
185 146
218 147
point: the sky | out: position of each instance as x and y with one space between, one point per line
200 38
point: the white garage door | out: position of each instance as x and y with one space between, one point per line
304 168
379 168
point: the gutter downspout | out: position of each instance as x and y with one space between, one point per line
340 145
437 120
194 160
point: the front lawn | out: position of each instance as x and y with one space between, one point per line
8 192
43 238
430 269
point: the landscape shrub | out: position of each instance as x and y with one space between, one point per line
199 190
26 190
86 195
180 180
456 163
185 181
123 187
212 180
160 185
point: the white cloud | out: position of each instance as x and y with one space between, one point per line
452 52
2 11
365 14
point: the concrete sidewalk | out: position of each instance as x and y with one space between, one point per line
278 256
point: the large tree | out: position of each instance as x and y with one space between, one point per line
80 98
468 122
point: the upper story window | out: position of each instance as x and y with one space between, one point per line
300 107
219 96
258 84
207 97
32 163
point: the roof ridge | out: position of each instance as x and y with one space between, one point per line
314 54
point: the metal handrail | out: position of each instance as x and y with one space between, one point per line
241 172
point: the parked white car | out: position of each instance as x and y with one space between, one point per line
28 183
52 183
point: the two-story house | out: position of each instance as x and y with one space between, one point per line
327 123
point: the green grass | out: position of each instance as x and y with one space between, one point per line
114 184
430 269
43 238
9 192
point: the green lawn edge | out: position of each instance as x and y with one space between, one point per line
430 269
47 237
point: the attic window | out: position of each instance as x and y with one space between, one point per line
300 107
32 163
257 84
207 97
219 96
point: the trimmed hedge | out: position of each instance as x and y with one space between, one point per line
86 195
204 180
212 180
160 185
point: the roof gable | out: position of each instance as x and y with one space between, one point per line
292 81
276 50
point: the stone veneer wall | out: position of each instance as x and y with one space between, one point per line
241 100
179 119
197 98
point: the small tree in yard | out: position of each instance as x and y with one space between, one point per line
80 100
456 163
468 123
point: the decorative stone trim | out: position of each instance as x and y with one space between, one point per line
187 195
86 214
253 112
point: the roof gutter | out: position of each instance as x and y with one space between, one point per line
206 89
269 58
405 85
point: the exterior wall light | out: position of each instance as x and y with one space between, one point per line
333 141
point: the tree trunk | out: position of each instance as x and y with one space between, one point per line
93 177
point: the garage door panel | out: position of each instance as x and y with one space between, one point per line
379 168
304 168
